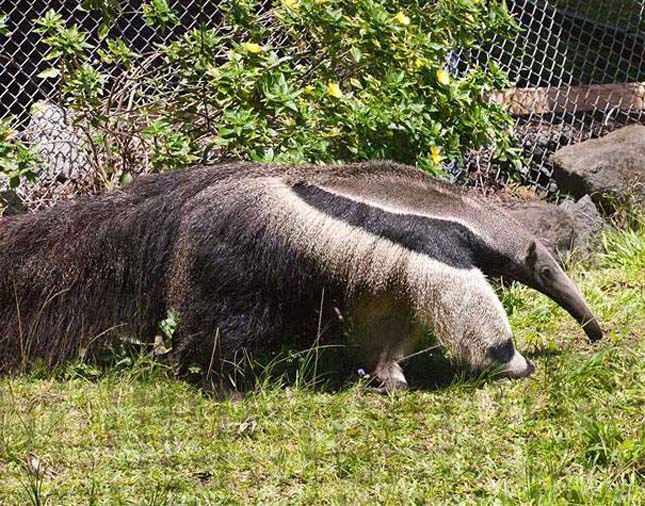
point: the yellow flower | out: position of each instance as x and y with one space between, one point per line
308 88
436 155
8 134
402 18
443 77
293 5
418 63
253 48
334 90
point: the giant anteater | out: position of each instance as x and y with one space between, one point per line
244 252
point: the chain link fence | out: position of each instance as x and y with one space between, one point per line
579 72
578 68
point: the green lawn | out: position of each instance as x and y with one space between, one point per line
572 434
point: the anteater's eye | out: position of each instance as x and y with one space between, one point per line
546 272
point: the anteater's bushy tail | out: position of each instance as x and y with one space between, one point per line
75 274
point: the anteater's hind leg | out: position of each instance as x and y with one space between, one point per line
385 333
222 310
217 336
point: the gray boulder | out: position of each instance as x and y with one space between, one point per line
611 169
587 220
10 202
565 228
60 144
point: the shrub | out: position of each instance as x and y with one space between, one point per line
16 159
302 81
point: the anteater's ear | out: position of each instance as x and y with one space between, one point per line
531 254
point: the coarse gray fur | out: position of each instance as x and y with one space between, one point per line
247 254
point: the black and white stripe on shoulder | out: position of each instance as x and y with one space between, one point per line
446 241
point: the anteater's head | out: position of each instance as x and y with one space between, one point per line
536 267
509 250
530 263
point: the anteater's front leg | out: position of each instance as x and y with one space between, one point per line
384 333
466 316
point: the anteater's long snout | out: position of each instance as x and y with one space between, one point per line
563 291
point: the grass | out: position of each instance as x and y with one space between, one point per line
572 434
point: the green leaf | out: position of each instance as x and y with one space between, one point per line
157 13
4 27
50 73
356 54
103 30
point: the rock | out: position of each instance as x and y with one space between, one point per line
59 144
611 169
563 228
588 222
554 226
10 202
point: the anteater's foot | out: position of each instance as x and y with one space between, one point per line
390 378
